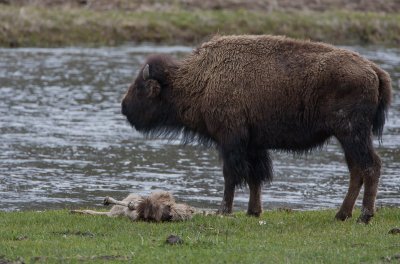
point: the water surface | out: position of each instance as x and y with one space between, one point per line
64 143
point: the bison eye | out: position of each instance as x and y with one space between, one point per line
141 89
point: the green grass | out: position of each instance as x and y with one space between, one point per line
36 26
286 237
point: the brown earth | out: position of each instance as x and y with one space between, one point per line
385 6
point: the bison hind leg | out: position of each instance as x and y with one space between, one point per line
364 166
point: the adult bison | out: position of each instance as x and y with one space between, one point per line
248 94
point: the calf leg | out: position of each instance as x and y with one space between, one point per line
114 211
90 212
364 165
109 200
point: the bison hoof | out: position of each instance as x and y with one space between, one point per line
253 213
341 216
224 211
364 219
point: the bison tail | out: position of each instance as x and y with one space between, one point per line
385 95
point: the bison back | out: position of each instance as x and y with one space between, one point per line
281 92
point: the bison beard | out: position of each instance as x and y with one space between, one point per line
249 94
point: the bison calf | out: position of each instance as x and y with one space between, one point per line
249 94
158 206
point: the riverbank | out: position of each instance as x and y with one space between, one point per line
52 26
281 236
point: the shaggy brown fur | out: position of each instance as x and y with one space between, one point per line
158 207
249 94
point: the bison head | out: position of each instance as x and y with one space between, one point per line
146 103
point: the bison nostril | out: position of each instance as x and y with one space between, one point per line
123 108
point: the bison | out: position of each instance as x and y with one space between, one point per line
249 94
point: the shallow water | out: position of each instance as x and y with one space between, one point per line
64 143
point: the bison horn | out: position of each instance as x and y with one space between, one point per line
146 72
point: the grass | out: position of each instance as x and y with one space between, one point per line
277 237
39 26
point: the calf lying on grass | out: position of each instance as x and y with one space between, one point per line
158 206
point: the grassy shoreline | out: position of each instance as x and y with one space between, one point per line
277 236
33 26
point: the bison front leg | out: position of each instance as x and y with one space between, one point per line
254 207
229 193
260 172
235 169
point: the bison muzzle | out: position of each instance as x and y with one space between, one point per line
249 94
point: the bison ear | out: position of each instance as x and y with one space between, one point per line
153 88
146 72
